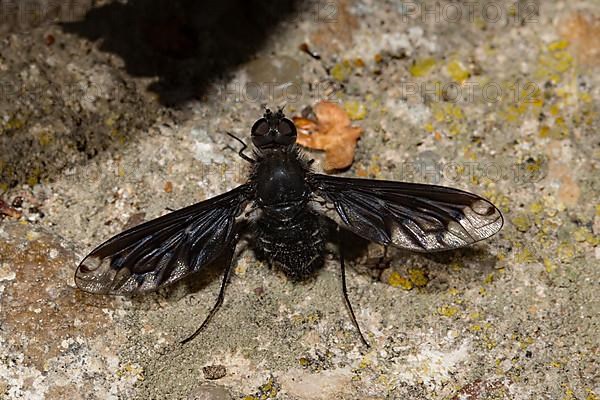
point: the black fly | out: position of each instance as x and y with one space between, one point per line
289 230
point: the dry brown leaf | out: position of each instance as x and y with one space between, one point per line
331 132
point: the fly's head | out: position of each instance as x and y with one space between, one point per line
273 130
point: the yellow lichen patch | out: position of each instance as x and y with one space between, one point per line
522 222
489 279
341 71
365 362
475 328
549 227
397 280
14 124
448 311
580 235
456 266
525 256
34 178
554 62
592 239
118 135
544 131
356 110
457 72
422 67
591 395
453 291
549 266
375 170
536 207
450 115
475 316
417 277
569 393
304 362
556 364
130 370
452 112
565 252
490 343
45 138
558 45
269 390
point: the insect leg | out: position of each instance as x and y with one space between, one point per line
220 298
244 147
345 291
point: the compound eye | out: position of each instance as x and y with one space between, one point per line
260 128
287 128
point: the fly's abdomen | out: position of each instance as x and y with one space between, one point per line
296 246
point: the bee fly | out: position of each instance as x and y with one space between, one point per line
289 228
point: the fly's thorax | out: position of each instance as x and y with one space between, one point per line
280 178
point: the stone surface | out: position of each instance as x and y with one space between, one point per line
101 128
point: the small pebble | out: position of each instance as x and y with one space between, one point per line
214 371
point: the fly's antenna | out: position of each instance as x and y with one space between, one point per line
280 110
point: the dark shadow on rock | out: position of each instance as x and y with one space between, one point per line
360 255
63 118
184 43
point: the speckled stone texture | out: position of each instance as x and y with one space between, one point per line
107 120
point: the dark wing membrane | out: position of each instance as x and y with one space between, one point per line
163 250
410 215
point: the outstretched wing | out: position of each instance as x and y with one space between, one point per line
163 250
409 215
